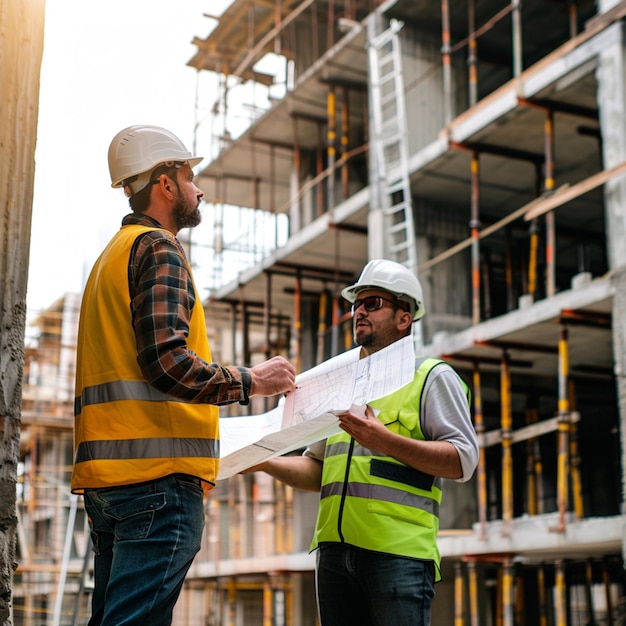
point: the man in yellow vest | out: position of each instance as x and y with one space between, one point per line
146 432
380 480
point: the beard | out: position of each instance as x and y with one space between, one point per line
365 341
363 337
185 215
374 337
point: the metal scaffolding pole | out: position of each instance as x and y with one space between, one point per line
459 596
534 468
482 458
507 593
297 322
331 149
550 221
560 594
472 57
321 325
541 589
574 458
507 443
473 594
474 226
563 431
517 37
446 59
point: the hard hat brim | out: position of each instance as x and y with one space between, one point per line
193 161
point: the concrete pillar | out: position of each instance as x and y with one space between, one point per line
21 49
619 349
611 75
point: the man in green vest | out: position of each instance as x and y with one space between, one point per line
146 428
380 480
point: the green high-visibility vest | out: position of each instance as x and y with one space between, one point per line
375 502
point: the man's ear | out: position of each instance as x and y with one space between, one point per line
165 185
405 319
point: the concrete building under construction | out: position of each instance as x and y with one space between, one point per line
483 144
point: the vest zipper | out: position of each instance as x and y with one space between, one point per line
345 489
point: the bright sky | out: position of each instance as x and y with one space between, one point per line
105 66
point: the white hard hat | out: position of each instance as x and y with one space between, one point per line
138 150
392 277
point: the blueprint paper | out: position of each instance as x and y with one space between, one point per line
279 443
324 387
309 414
239 432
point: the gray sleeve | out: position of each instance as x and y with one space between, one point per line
446 416
316 450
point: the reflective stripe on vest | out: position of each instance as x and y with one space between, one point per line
119 390
152 448
383 494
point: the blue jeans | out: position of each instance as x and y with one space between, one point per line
357 587
145 538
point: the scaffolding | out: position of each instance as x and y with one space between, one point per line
515 168
509 174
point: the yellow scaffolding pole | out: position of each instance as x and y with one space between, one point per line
577 489
458 594
507 593
563 431
267 603
481 471
532 257
560 591
506 423
331 150
473 593
232 601
531 466
475 225
321 326
541 589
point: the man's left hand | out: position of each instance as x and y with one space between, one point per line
367 431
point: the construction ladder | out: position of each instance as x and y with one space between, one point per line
390 143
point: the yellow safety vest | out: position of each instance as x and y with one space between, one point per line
373 501
125 431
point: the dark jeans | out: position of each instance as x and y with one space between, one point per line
360 588
145 538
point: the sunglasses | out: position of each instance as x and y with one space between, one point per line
372 303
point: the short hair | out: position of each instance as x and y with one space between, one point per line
140 201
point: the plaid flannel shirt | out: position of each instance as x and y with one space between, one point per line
162 298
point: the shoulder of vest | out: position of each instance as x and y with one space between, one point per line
425 365
139 229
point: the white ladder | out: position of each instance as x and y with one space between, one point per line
390 144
